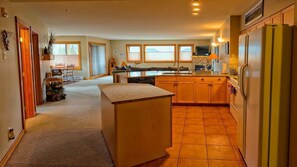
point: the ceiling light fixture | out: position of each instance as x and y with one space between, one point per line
196 3
196 9
4 12
195 13
220 40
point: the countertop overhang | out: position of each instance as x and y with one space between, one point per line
119 92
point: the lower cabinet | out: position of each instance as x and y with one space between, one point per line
195 89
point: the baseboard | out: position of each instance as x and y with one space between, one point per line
12 148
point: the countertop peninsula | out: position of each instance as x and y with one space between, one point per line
119 92
136 74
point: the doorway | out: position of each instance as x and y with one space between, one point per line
26 70
98 61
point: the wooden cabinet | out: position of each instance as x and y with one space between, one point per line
285 16
185 89
211 90
167 83
288 15
195 89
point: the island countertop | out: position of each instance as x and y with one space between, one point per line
136 74
118 92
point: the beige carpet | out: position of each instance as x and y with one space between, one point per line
67 132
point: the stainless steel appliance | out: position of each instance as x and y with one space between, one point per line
264 83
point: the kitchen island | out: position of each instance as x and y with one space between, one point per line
136 122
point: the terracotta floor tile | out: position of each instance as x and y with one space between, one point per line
192 163
211 121
193 152
179 107
241 164
173 152
194 109
164 162
229 122
194 121
222 163
221 153
194 115
218 140
231 130
209 109
177 138
210 115
215 130
194 129
237 153
193 138
177 128
226 116
223 109
233 139
178 121
178 114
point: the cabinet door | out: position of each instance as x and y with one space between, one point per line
276 18
202 93
218 92
185 90
288 15
167 83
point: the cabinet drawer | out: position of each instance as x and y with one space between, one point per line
210 79
219 79
186 79
165 79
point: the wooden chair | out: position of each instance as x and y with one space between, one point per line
68 74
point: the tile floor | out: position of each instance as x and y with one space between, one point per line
202 136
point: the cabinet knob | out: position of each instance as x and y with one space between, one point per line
202 79
219 79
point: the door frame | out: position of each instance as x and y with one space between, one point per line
36 69
90 60
19 23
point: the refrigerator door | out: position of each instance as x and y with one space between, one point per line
241 107
253 92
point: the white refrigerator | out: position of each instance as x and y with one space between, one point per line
264 81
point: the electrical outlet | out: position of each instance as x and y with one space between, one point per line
11 135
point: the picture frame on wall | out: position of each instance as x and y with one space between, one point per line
255 13
227 48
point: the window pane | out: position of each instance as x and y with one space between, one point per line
59 49
160 53
72 49
134 53
185 53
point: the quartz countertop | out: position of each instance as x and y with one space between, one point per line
119 92
135 74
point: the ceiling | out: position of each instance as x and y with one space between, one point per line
136 19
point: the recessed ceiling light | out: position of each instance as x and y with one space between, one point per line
196 9
195 13
195 4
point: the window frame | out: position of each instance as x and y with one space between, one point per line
127 53
79 67
145 45
178 52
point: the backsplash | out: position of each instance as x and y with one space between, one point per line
200 60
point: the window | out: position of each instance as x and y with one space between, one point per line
159 53
66 53
185 52
134 53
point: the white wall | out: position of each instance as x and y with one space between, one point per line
120 47
85 70
10 104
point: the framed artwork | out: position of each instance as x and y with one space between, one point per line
227 47
216 50
255 13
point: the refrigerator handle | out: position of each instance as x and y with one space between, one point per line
242 68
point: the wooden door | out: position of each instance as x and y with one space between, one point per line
218 92
202 92
288 15
185 90
167 83
36 69
26 70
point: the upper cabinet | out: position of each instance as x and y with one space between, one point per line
285 16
